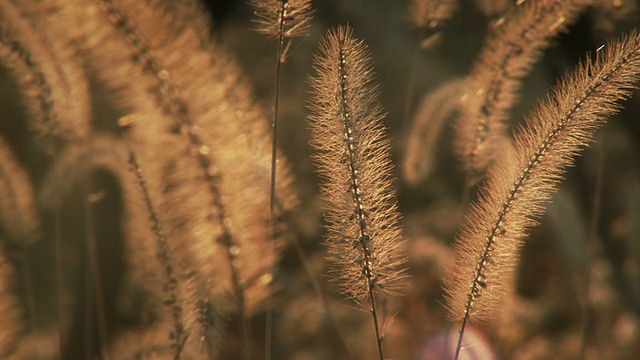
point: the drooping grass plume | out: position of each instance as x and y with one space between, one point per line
179 204
352 156
208 104
182 197
426 16
50 79
172 284
515 191
213 107
137 51
434 111
494 82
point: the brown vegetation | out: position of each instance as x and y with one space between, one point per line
141 215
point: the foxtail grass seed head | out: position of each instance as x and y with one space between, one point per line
511 50
282 20
352 156
517 187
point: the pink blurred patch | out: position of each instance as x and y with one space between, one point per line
443 346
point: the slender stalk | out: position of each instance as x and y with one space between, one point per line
88 312
94 280
413 74
517 187
352 157
59 277
593 230
281 19
274 157
376 325
296 242
29 290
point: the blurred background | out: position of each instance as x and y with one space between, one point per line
577 290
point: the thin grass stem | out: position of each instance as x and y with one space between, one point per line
272 193
408 99
57 240
593 231
94 290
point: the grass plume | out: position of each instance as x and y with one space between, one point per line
509 53
282 20
208 104
49 76
429 122
515 191
352 158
